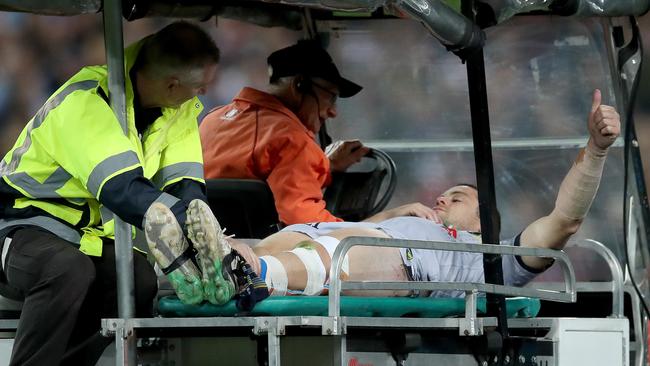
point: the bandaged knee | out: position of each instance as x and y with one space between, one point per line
580 185
330 243
314 267
274 274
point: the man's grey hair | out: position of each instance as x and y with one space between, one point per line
181 49
282 83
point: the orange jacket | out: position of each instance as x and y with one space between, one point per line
256 136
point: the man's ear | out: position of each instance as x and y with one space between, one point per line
172 83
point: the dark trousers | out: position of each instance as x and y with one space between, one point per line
66 294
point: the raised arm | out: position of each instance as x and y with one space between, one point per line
578 188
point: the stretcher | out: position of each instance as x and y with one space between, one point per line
377 307
344 330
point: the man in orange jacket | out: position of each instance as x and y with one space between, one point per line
270 135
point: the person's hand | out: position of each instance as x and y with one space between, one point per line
247 253
342 154
604 124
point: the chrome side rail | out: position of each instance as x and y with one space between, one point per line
615 269
616 286
336 285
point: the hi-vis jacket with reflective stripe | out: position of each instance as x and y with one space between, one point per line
54 176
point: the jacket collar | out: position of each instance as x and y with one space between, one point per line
130 55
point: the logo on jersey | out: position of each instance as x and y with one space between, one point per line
230 114
409 254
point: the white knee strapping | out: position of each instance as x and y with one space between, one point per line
315 270
330 243
276 276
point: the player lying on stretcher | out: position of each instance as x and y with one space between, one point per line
210 266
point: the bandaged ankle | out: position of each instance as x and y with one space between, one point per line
315 270
330 243
274 274
580 185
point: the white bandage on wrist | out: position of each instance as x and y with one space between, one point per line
580 185
315 270
276 276
330 243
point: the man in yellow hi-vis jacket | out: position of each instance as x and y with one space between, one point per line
74 166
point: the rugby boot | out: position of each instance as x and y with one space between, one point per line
173 253
225 273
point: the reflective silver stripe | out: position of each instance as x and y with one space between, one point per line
166 199
55 227
109 166
38 120
58 178
106 214
47 189
178 170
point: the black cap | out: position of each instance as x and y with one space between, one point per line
308 58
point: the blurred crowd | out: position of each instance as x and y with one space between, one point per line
37 55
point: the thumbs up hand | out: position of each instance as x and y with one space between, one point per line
604 123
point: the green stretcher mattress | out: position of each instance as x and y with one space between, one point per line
421 307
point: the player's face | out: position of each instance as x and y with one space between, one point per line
458 207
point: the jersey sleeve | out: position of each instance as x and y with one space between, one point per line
515 271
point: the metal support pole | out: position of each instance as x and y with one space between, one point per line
114 43
273 347
496 304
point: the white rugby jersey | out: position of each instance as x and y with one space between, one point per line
434 265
